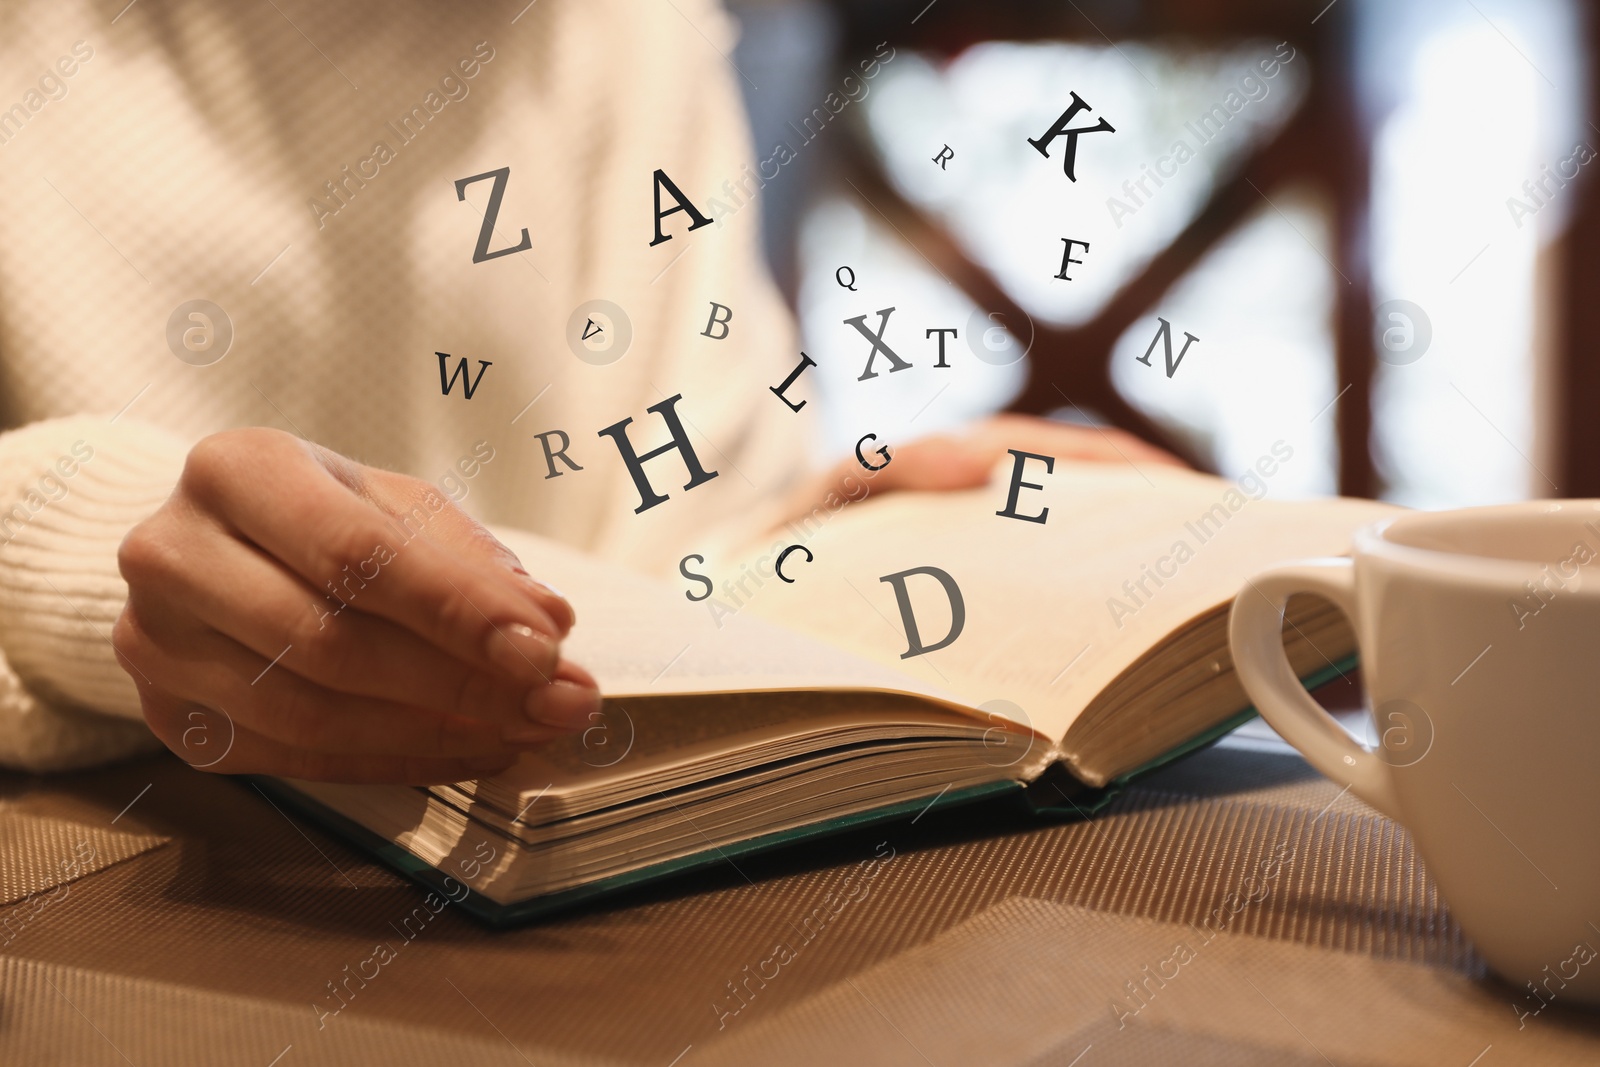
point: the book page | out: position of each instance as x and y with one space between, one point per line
1054 610
641 637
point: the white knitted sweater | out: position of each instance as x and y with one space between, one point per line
184 157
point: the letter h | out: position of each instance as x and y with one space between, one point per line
618 432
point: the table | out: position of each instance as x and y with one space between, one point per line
1235 908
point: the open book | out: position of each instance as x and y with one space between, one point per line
1094 643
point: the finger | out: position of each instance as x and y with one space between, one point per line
1047 437
459 529
567 671
210 668
328 643
210 740
407 499
941 463
931 463
302 516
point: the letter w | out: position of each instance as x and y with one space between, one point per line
1164 335
467 386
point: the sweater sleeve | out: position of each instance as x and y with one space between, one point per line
70 489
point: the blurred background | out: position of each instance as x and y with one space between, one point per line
1385 249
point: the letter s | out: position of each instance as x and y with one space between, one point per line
483 51
87 52
683 569
1286 453
87 452
479 448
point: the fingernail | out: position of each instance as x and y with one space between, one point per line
563 704
522 652
550 591
531 580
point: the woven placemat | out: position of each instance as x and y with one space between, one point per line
40 853
1032 982
270 919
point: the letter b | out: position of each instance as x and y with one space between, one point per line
713 322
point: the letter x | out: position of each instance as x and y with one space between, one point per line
860 323
1042 143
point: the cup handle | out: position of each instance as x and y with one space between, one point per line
1255 632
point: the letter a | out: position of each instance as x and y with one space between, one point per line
684 204
496 192
1164 335
1042 143
958 609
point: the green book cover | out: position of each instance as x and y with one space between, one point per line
1055 794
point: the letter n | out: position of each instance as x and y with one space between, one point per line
1164 335
618 432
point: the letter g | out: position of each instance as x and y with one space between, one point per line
881 450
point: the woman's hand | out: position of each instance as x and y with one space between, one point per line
964 460
350 623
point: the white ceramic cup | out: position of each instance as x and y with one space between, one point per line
1479 635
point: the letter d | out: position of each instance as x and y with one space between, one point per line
958 609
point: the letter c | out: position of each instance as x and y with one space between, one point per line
361 167
778 566
1164 172
1165 574
882 451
